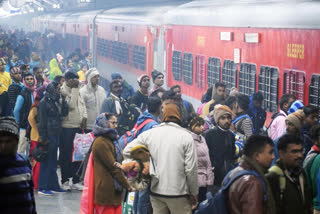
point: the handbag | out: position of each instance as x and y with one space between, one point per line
81 145
40 152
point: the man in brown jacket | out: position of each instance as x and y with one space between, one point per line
246 194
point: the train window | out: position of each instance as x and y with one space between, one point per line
124 53
229 74
100 47
176 65
84 43
213 70
139 57
142 58
187 68
200 71
314 91
294 83
268 86
135 56
247 78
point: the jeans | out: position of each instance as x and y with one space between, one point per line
48 179
142 204
68 168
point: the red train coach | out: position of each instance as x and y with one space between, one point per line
267 46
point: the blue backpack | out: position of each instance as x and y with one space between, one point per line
218 203
243 116
132 134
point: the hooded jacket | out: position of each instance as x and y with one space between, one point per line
93 98
146 115
54 69
77 108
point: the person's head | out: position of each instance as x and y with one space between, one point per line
238 103
195 124
29 79
104 124
314 134
171 113
23 68
311 115
116 76
157 78
154 105
83 66
38 73
2 65
222 115
59 79
294 122
158 93
116 88
88 56
9 136
285 101
59 58
70 63
257 99
167 98
176 90
28 68
53 91
15 74
220 88
71 78
260 149
75 57
93 77
144 81
290 150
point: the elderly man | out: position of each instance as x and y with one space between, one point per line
173 167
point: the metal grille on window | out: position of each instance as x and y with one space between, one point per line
200 71
294 83
187 68
136 56
176 65
124 53
268 86
100 47
106 48
139 57
247 78
314 91
229 74
213 71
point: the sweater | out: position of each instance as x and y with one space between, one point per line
33 121
5 81
13 92
77 108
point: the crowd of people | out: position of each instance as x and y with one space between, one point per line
150 141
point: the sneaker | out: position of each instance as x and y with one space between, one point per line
59 191
66 186
77 186
45 192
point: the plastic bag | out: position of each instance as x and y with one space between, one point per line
81 145
87 197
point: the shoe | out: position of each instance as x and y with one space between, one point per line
45 192
77 186
59 191
66 186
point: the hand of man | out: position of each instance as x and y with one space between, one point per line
83 124
232 128
193 201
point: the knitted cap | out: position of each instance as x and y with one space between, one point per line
220 110
116 75
295 106
9 125
139 80
171 110
296 118
155 74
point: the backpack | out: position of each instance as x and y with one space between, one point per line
273 117
218 203
132 134
186 104
127 118
282 180
242 117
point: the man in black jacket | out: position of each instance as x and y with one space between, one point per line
221 145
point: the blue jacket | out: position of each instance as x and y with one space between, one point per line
146 115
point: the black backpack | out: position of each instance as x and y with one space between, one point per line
128 117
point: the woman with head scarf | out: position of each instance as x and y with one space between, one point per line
51 112
109 180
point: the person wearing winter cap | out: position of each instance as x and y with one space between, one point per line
93 96
174 174
140 98
127 89
157 79
294 122
221 144
16 86
16 181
